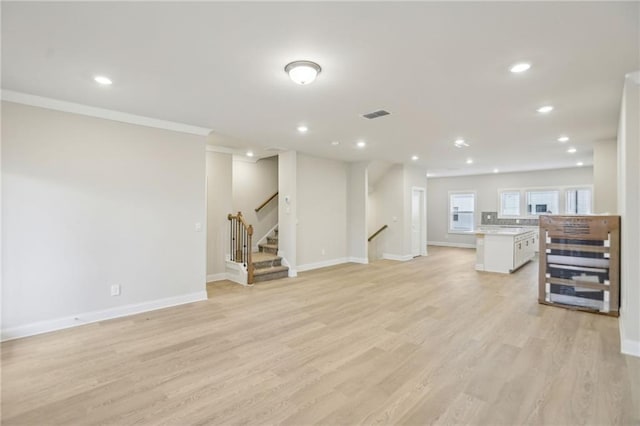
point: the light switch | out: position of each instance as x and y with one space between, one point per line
395 218
198 227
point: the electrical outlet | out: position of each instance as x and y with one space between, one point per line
115 290
517 220
488 217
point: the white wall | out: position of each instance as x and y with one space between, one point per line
253 183
287 209
322 211
357 211
219 205
414 177
605 177
629 209
486 187
387 201
88 203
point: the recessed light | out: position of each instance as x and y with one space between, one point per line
414 157
249 153
100 79
334 143
572 150
361 144
303 129
460 143
302 72
469 160
579 163
563 139
495 170
545 109
430 175
520 67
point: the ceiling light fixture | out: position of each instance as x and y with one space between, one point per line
100 79
460 143
579 163
545 109
361 144
572 150
334 143
302 72
563 139
469 160
303 129
495 170
414 157
520 67
249 153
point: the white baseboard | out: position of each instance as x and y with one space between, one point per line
362 260
447 244
217 277
293 273
398 257
323 264
627 346
96 316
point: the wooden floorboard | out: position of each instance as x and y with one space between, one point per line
429 341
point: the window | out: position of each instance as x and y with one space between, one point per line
461 211
510 203
578 201
542 202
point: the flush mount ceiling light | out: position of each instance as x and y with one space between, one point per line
579 164
469 160
563 139
572 150
414 157
249 153
361 144
100 79
545 109
460 143
302 72
303 129
495 170
520 67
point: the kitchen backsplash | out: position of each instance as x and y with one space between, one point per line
491 218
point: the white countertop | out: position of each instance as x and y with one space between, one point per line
504 231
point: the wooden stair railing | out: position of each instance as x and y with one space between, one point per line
240 236
375 234
261 206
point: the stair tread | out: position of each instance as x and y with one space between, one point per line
273 246
263 257
270 270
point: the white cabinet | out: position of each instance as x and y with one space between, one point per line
504 250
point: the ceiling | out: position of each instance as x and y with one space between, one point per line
441 69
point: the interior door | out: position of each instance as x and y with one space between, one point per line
416 222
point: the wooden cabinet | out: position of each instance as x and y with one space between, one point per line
580 263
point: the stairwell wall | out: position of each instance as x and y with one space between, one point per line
322 211
253 183
219 205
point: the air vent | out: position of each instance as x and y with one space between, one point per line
376 114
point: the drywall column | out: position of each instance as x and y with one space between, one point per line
629 210
414 177
287 211
219 181
357 246
605 165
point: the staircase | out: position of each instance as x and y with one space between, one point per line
266 263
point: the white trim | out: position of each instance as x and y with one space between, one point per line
447 244
236 272
323 264
221 149
627 346
217 277
107 114
97 316
362 260
398 257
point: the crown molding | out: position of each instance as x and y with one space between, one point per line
107 114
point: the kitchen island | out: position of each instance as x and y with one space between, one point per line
504 250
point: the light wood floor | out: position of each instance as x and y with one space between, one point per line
427 341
